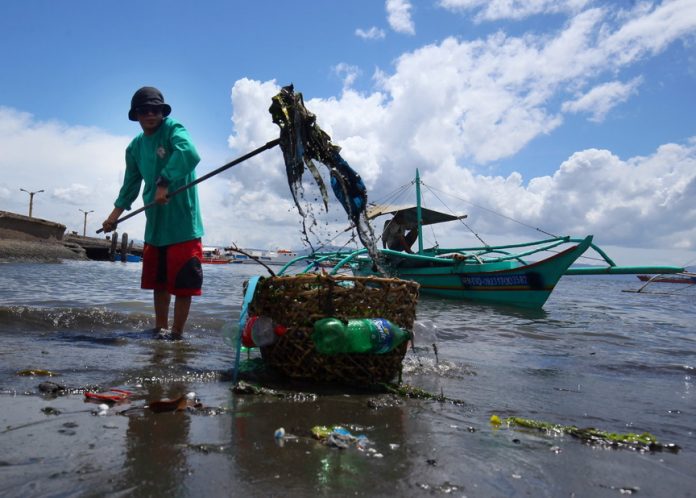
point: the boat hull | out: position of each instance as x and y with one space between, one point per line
524 285
674 279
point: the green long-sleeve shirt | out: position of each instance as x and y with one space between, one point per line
168 153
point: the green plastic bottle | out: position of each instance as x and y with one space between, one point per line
361 335
329 336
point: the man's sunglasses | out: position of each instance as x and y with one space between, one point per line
148 109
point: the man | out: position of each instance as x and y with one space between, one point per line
395 235
163 157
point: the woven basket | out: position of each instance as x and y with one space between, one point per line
298 301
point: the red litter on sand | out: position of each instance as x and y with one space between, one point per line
114 395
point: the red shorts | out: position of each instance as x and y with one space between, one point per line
175 268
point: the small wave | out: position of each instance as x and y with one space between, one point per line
633 367
27 319
415 364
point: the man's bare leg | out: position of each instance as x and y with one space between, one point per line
162 299
182 305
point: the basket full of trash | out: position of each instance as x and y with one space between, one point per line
332 328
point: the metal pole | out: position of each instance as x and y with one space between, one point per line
31 199
84 228
419 214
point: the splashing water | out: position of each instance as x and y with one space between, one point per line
304 142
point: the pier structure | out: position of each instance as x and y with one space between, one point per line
20 230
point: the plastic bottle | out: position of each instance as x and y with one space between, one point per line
362 335
424 332
229 333
247 339
386 336
367 335
262 331
330 336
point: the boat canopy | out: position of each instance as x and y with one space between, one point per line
410 214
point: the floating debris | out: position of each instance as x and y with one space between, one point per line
590 435
339 437
243 387
36 372
51 388
381 402
103 410
168 405
113 395
408 391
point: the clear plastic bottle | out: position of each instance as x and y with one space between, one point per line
229 332
262 331
424 332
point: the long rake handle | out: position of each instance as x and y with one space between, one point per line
268 145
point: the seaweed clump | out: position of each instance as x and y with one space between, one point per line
641 442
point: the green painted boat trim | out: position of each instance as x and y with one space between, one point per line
504 282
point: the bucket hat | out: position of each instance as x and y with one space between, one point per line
148 95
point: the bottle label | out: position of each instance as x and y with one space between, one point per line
381 335
247 339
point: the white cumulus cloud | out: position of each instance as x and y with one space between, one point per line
374 33
348 73
602 98
493 10
399 16
76 166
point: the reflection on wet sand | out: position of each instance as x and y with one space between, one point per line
260 458
155 461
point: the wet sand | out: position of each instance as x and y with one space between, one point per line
596 357
62 445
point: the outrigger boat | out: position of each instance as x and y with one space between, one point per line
678 278
495 274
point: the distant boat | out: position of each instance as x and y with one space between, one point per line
279 257
215 261
677 278
214 256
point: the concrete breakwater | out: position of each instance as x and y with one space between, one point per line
24 238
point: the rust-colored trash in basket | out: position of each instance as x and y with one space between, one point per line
298 301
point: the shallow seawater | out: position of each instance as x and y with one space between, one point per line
593 357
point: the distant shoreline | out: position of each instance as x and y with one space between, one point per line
20 247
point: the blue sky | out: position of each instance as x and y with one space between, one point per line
571 115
